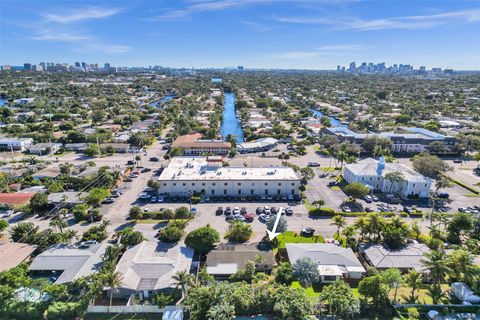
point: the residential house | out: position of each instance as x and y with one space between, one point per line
405 258
66 198
44 148
15 200
77 147
66 263
333 262
116 147
15 144
226 259
148 267
263 144
14 253
49 172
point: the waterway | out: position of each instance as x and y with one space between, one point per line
334 121
216 80
166 98
3 102
230 123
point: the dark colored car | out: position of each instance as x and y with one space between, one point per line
457 161
243 210
443 195
146 170
228 211
274 210
248 217
108 200
289 211
259 210
219 211
154 159
130 163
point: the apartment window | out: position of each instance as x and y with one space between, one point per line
214 184
425 185
225 184
184 184
266 191
239 191
203 184
293 191
166 184
213 191
414 185
239 184
279 183
173 184
225 191
251 191
370 178
363 178
193 184
266 184
278 191
293 183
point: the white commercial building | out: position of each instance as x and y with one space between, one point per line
17 144
207 175
263 144
372 172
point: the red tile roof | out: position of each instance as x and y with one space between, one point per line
15 198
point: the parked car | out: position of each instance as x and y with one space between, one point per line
263 197
259 210
442 195
230 217
269 198
346 209
239 217
263 217
143 196
266 210
161 199
146 209
243 210
249 216
368 198
130 163
219 211
88 244
314 164
128 179
6 213
367 209
108 200
146 170
307 232
154 159
458 161
375 198
228 211
274 210
153 199
207 199
407 209
289 211
194 210
236 210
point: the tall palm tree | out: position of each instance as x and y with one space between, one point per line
113 280
436 263
341 157
414 280
436 293
339 221
58 223
318 203
361 224
375 224
182 281
394 177
461 262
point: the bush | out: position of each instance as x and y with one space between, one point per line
171 234
322 211
182 213
3 225
239 232
136 213
80 212
356 189
202 239
98 233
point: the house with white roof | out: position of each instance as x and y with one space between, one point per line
333 262
372 173
148 267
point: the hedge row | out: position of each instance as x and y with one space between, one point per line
463 185
326 212
163 215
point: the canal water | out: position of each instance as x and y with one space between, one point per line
230 123
334 121
2 102
166 98
216 80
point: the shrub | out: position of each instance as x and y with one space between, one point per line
3 225
171 234
182 213
356 189
323 211
80 212
202 239
136 213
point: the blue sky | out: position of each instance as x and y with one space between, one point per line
310 34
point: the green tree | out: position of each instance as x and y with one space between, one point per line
339 221
96 196
136 213
112 279
339 299
60 310
374 290
305 270
202 239
413 280
39 202
92 150
318 203
238 232
183 280
162 299
394 177
356 189
436 263
284 273
129 236
282 224
222 311
25 232
392 277
3 226
429 165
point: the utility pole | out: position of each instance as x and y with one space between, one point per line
98 147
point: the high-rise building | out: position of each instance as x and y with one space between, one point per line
107 65
352 67
77 64
27 66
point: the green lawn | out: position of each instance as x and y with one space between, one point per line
423 297
311 293
292 237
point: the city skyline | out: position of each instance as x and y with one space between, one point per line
255 33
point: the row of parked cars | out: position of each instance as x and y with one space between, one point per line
235 214
471 209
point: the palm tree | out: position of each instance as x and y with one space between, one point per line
436 293
318 203
442 182
112 279
461 262
361 224
58 223
394 177
339 221
375 224
222 311
349 232
414 280
437 264
341 157
182 281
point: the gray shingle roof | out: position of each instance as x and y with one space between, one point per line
408 257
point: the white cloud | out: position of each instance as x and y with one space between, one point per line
405 22
49 35
323 51
82 14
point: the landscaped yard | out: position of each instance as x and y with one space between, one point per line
292 237
404 292
311 291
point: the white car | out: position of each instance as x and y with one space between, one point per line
7 213
236 210
144 196
239 217
161 199
267 210
88 243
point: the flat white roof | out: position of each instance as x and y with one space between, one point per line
197 168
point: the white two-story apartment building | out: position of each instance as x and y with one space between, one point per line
207 175
372 172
